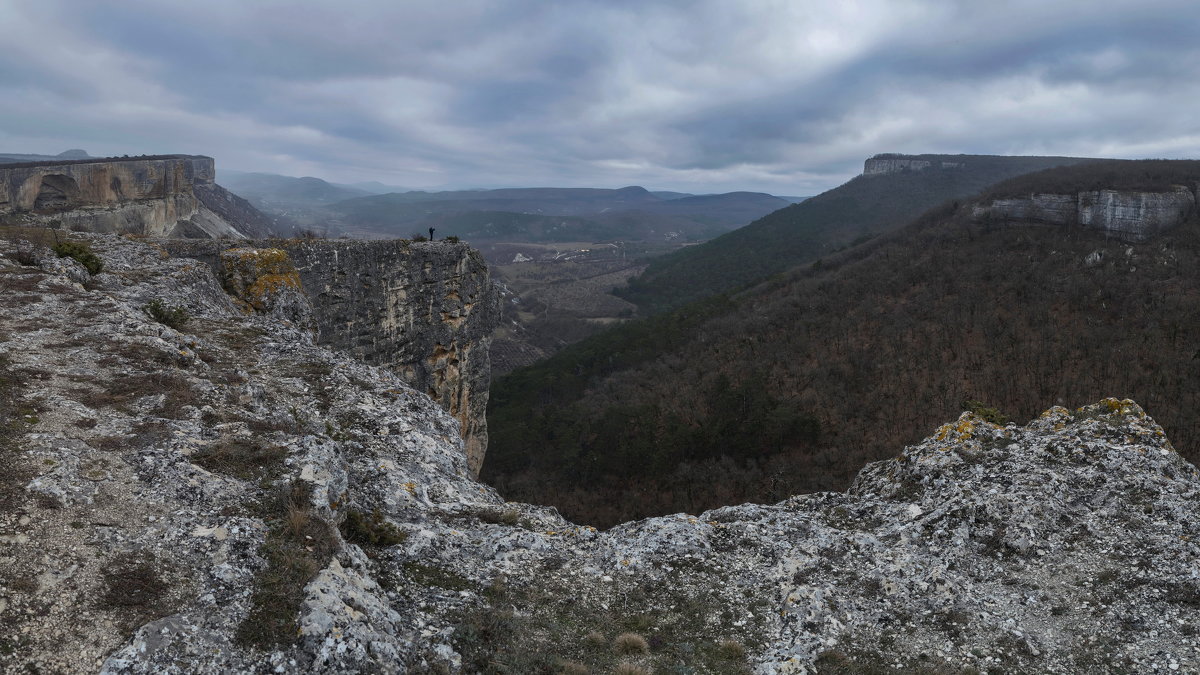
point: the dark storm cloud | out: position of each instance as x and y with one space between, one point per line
701 96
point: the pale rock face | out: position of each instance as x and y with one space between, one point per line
1126 215
423 310
882 165
1068 545
1135 216
169 196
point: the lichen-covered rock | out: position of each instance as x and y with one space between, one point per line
266 280
424 310
230 497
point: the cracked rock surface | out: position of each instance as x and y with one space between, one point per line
226 496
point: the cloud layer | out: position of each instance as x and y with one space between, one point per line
770 95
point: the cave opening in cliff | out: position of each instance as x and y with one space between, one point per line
56 192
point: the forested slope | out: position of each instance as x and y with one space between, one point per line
793 385
804 232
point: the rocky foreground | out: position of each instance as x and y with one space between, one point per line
224 496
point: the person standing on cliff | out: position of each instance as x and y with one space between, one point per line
431 234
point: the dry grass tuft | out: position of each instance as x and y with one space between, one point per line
631 643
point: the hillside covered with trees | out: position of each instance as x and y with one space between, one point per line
816 227
795 384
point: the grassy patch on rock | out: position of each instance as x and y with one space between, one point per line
299 544
244 458
619 624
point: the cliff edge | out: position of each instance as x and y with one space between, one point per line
424 310
188 486
156 196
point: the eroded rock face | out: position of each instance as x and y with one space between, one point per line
230 497
1129 216
161 196
424 310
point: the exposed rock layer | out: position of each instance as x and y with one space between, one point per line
425 310
168 195
879 165
1127 215
1065 546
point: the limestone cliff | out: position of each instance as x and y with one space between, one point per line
887 163
1128 215
226 496
423 310
162 195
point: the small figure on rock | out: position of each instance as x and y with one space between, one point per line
431 234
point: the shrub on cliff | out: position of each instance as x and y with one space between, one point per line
172 316
82 253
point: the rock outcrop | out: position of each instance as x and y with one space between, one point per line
1133 216
886 163
158 196
424 310
228 496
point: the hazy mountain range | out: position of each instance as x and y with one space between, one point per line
529 214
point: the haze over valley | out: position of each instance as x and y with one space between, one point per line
599 338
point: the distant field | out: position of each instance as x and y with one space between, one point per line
559 294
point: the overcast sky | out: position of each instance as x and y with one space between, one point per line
784 96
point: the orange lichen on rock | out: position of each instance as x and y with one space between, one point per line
257 275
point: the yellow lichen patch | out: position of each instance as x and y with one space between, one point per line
411 487
270 285
255 275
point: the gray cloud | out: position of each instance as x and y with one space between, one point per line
700 96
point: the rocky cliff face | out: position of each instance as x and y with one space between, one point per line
1127 215
423 310
884 164
227 496
170 195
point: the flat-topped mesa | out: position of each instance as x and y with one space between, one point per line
158 195
1128 215
892 163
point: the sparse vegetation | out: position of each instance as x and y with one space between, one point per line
731 649
429 575
370 529
134 588
630 643
299 544
531 629
988 413
171 316
244 458
81 253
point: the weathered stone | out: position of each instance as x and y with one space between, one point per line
266 280
1068 545
1127 215
165 195
425 310
882 165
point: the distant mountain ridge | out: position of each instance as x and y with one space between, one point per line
6 158
585 214
267 189
893 190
